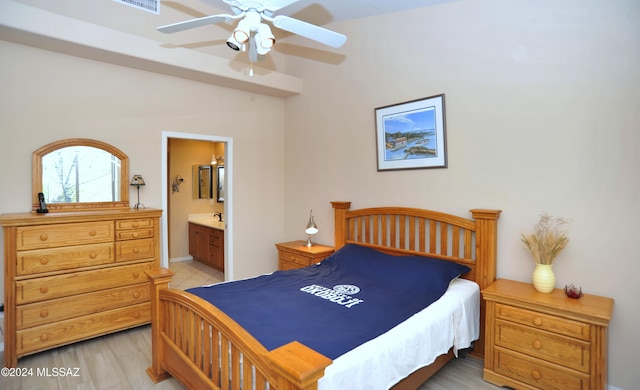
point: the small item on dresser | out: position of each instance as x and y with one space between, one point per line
572 291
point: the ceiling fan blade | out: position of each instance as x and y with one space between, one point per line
193 23
269 5
309 30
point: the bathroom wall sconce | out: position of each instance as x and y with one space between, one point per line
311 228
215 160
175 185
138 181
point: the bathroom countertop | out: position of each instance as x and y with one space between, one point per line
206 220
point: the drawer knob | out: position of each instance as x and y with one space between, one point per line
136 250
135 234
44 337
93 255
44 261
44 313
136 315
136 294
537 321
44 237
44 289
535 374
134 224
92 232
537 344
136 275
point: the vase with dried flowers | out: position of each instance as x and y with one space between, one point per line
545 243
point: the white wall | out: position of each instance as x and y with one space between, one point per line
48 96
542 114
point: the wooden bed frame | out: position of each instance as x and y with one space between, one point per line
202 347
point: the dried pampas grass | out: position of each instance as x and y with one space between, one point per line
548 239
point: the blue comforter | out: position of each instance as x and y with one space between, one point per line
351 297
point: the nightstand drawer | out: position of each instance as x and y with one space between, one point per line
556 348
295 258
133 234
57 259
536 372
543 321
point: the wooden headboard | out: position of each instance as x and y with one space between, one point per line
412 231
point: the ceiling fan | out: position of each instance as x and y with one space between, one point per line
251 32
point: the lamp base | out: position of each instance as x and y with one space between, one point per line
309 241
139 206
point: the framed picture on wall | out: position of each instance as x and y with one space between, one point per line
411 135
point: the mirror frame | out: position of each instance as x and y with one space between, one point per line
36 176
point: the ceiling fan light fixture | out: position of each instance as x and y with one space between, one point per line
264 37
233 44
242 33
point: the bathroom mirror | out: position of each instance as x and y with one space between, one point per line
202 182
220 187
80 174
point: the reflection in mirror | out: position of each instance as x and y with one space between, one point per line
80 174
220 187
202 182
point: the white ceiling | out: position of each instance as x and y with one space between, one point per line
212 39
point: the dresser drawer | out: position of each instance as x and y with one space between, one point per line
126 224
134 234
59 333
556 348
40 313
537 373
57 259
135 250
294 258
52 236
50 287
543 321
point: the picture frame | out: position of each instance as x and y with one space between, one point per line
411 135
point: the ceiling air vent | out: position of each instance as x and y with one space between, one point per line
145 5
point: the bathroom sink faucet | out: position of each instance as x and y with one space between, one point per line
219 215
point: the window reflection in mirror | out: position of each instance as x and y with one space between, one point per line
79 174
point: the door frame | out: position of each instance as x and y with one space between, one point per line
228 193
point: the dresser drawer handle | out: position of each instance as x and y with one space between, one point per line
136 315
44 337
92 232
537 321
136 294
135 234
44 289
537 344
44 313
44 261
535 374
136 250
93 255
134 224
136 275
44 237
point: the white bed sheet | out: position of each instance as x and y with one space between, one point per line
453 320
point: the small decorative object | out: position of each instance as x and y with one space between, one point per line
572 291
138 181
547 240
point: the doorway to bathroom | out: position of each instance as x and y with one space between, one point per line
179 186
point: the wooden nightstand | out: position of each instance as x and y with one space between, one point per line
296 254
545 341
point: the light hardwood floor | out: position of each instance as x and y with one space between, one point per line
118 361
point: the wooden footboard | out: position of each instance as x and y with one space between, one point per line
203 348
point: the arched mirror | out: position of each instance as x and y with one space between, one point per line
80 174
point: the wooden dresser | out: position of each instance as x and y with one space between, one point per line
75 275
296 254
545 341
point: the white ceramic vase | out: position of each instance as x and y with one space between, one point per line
544 280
